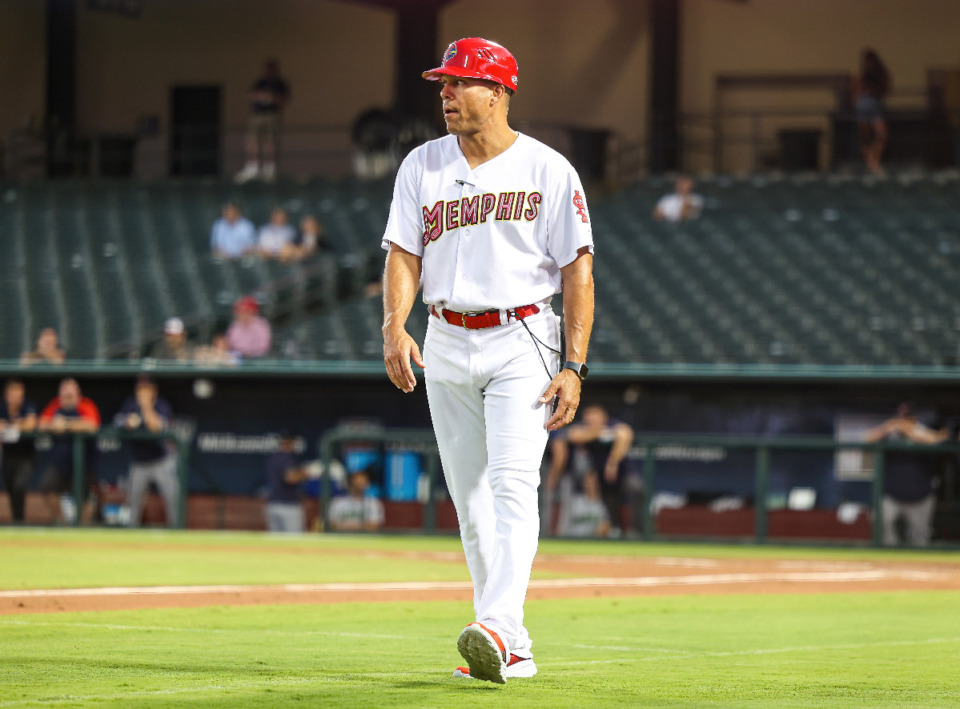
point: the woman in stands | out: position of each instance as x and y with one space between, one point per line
873 87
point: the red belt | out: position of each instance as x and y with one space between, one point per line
487 318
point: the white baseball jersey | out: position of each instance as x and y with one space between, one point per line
495 236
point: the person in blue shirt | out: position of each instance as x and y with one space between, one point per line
284 475
233 235
151 461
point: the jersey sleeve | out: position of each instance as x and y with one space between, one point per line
568 226
405 223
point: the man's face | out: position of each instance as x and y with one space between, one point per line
14 395
48 339
231 213
69 394
466 104
594 417
174 339
146 392
278 217
684 186
359 483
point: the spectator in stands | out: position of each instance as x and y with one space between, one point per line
17 415
908 491
217 352
284 475
249 335
268 97
70 413
174 346
873 85
356 510
47 351
585 515
233 235
312 238
606 442
276 238
680 206
152 461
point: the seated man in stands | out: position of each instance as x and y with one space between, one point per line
249 335
908 490
585 515
311 237
48 349
69 413
680 206
276 238
356 510
174 346
233 235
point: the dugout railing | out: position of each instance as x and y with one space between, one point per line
78 441
647 449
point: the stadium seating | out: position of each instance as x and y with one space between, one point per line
795 269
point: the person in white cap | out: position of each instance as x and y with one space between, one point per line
174 345
493 224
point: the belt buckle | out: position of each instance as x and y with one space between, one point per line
463 321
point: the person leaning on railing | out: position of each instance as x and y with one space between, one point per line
17 415
69 413
908 491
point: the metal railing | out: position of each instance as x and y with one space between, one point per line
646 448
78 443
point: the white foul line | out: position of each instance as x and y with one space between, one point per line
609 582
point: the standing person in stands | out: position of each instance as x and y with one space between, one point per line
249 335
873 86
233 235
48 349
17 415
70 413
268 97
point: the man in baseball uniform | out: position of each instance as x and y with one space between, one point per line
493 224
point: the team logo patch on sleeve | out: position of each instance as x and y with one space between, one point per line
581 206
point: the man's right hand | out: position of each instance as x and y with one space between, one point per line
398 349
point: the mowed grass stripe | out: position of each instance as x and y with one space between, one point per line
847 650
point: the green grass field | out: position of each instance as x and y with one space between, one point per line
883 649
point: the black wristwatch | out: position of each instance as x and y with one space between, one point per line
579 368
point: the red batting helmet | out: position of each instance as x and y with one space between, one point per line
477 58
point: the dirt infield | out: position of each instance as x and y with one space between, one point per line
584 577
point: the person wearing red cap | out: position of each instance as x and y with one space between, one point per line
249 335
493 224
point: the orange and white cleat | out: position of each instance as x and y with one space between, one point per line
485 653
517 667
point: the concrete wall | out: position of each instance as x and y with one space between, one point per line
581 63
808 36
22 65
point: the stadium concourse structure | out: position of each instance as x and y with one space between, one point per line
802 270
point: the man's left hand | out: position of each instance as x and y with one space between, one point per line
566 387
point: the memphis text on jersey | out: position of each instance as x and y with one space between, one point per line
447 215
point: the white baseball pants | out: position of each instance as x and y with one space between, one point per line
483 387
